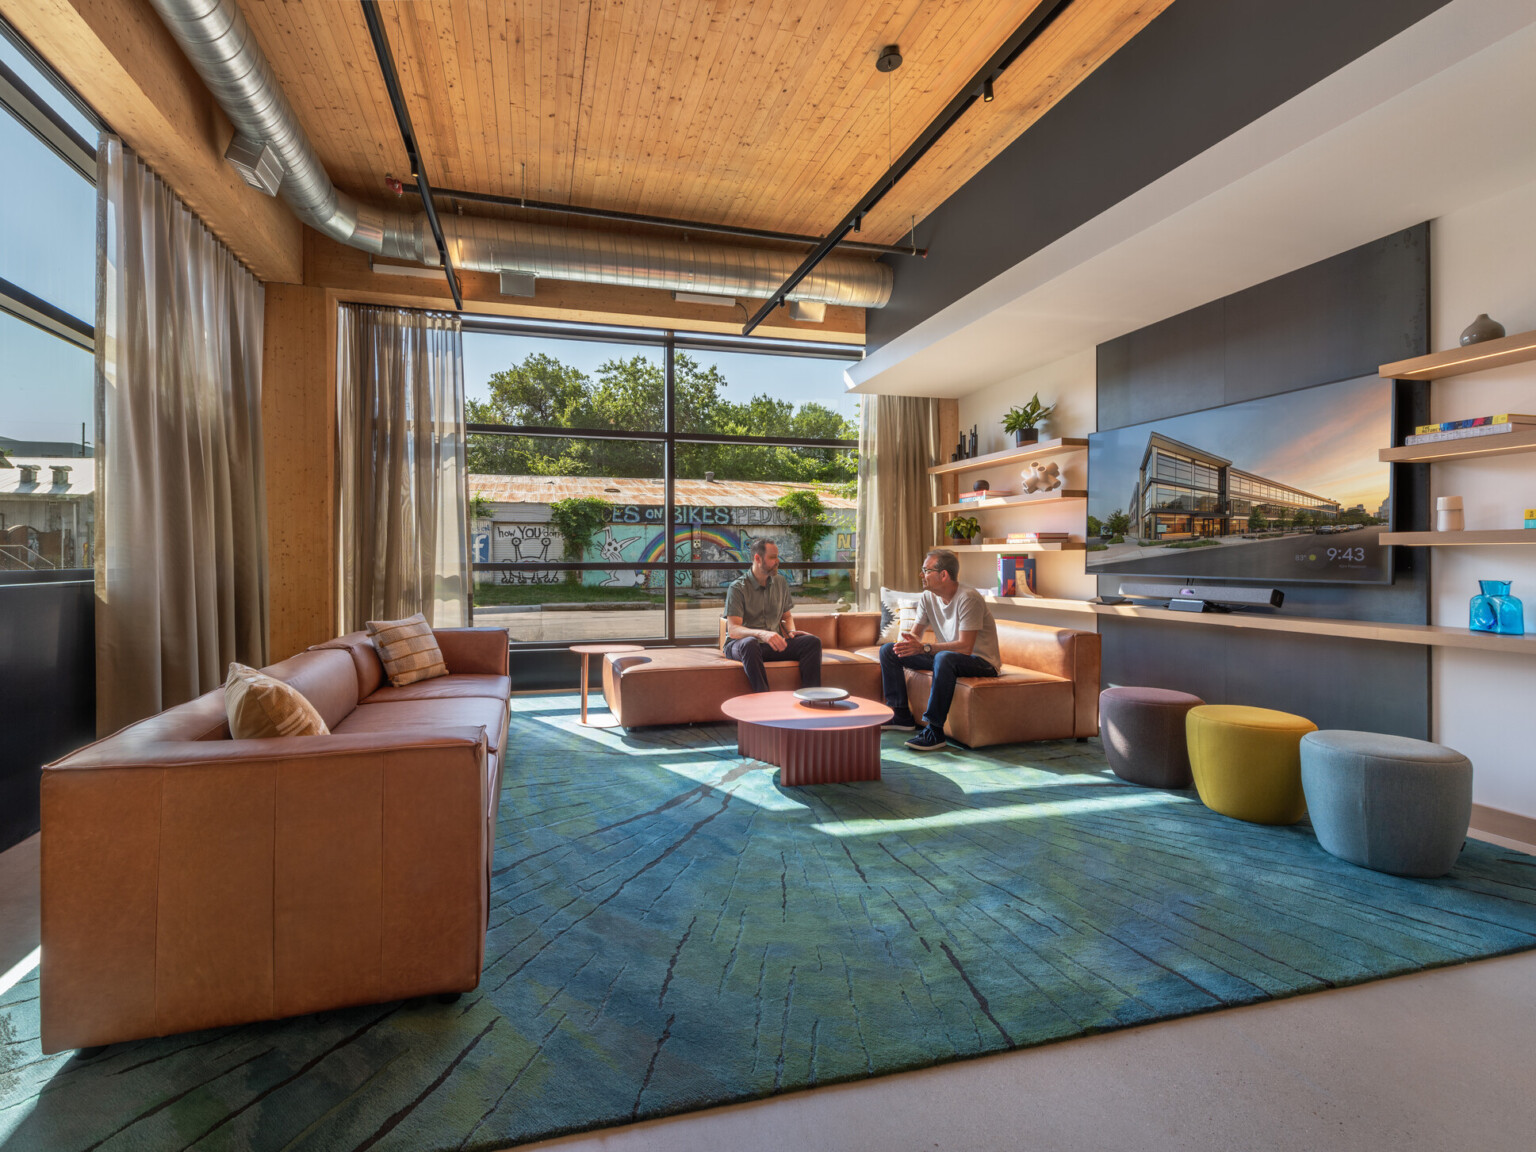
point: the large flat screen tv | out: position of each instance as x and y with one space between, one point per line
1282 488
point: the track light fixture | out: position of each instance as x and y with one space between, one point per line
986 90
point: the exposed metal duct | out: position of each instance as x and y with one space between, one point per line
219 43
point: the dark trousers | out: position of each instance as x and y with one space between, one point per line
946 668
752 652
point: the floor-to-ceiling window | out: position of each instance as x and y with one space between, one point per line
47 430
618 477
47 313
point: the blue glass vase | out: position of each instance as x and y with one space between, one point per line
1495 610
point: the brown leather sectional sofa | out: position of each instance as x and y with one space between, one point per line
190 880
1048 689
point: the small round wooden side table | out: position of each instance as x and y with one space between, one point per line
587 652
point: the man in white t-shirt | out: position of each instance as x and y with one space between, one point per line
965 644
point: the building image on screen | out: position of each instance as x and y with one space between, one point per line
1281 488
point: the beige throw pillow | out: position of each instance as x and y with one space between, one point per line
408 649
260 706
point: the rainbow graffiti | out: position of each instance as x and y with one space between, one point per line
728 541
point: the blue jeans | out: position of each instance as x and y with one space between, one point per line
752 652
946 667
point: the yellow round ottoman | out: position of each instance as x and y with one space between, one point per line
1247 761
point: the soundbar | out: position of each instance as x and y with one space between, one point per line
1227 595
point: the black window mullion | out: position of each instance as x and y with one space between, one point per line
669 478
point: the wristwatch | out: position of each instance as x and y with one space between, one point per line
927 649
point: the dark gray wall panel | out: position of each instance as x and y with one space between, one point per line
1199 72
1335 320
47 687
1306 675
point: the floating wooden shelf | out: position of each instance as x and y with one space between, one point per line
1010 455
1058 497
1458 361
1444 539
1466 447
1431 635
1045 603
1042 546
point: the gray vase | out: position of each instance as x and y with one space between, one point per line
1481 329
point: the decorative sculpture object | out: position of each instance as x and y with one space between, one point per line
1040 477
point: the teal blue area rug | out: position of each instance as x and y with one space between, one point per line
671 930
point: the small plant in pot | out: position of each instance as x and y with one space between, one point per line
1025 422
962 528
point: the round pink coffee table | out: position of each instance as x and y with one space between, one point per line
811 743
587 652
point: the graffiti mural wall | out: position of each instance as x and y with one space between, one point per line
633 535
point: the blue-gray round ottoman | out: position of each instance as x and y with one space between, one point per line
1143 734
1387 802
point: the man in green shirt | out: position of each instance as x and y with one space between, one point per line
759 625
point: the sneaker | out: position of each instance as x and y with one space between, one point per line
928 740
901 722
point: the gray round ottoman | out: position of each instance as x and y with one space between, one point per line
1387 802
1143 734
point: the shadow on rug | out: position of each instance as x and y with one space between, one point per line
670 930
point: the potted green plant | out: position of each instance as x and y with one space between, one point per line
962 528
1024 422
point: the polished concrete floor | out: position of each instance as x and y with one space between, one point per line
1424 1063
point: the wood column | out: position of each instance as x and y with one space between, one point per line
298 410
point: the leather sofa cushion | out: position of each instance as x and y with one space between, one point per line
370 671
451 687
688 685
428 715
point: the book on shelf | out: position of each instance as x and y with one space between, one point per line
974 497
1036 537
1016 576
1475 422
1464 433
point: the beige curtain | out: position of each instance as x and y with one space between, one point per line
898 440
181 557
400 426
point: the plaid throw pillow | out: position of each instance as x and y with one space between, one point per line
408 649
261 706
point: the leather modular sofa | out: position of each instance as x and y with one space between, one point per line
1048 688
190 880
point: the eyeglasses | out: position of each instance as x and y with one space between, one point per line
931 571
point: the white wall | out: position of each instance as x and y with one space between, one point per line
1071 385
1483 259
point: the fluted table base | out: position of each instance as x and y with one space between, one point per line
810 744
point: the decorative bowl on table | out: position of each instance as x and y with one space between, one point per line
821 697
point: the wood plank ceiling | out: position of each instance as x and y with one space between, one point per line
759 113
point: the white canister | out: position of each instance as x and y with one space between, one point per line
1448 514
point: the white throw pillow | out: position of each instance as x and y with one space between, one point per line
898 612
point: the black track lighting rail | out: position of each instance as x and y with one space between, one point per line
408 138
1023 36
